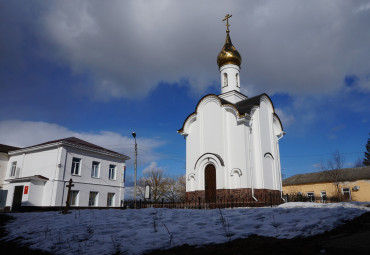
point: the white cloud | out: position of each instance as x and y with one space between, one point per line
286 119
151 166
27 133
128 47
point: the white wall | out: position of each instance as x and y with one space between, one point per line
216 129
3 167
55 164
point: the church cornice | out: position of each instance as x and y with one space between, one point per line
242 110
222 103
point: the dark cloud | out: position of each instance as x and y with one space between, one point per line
128 47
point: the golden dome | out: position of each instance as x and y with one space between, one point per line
228 54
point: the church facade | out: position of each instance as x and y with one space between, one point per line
232 141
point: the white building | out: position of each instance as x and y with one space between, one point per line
232 148
37 175
4 158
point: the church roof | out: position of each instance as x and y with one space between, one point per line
74 142
341 175
244 107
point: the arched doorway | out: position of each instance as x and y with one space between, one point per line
210 183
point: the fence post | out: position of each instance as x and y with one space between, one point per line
270 199
199 202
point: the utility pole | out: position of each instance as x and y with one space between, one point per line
134 135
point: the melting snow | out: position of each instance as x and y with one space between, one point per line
137 231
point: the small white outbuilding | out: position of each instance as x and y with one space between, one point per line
37 176
232 141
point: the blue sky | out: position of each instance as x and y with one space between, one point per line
100 71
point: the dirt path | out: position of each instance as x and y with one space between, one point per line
351 238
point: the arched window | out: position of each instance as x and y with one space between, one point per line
225 80
237 80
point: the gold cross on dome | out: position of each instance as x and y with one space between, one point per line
227 17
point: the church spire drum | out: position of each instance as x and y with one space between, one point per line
229 61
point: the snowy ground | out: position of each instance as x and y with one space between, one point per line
137 231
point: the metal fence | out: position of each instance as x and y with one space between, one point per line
201 203
296 197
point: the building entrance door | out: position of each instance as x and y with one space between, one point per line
210 183
17 198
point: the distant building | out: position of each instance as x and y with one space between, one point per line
4 158
36 176
232 141
353 184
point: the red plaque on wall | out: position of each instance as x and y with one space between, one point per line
25 190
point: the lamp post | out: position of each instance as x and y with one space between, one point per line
134 135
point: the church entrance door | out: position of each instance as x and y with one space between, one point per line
210 183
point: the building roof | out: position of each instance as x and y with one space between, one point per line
342 175
7 148
28 178
74 142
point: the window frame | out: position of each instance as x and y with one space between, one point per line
13 169
114 171
73 168
349 192
95 199
311 196
95 171
323 195
76 199
226 82
111 204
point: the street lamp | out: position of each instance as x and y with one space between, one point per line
134 135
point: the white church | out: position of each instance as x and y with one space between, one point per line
232 140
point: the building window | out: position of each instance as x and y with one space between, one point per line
110 199
74 197
311 196
225 79
95 169
13 169
323 196
237 81
93 198
112 172
346 193
76 166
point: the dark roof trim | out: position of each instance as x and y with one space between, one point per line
214 154
243 107
73 142
195 112
341 175
7 148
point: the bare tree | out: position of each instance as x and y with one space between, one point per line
176 189
333 174
158 182
181 188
